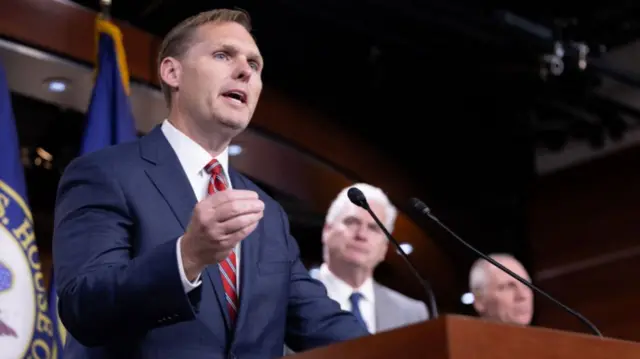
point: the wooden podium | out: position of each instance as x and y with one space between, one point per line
457 337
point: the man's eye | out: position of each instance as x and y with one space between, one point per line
220 55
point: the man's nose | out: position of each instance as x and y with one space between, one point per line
361 233
242 71
358 234
520 293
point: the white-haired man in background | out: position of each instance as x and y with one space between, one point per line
353 246
498 296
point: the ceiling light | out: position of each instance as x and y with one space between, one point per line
406 247
467 298
234 150
44 154
57 85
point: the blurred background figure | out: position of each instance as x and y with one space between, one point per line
498 296
353 246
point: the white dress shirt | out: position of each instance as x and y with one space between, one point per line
340 291
193 159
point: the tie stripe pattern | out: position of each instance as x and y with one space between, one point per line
217 183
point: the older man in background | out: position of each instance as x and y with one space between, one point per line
498 296
353 246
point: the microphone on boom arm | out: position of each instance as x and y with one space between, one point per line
422 208
358 198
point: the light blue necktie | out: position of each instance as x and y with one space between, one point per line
355 308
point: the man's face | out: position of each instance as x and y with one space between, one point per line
504 299
218 78
354 238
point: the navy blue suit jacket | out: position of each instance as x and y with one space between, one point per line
118 215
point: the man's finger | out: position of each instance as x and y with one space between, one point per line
228 195
240 234
238 223
229 210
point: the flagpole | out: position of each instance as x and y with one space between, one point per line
105 6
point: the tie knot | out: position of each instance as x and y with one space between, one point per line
213 167
355 298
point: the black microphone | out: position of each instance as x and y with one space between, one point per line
357 197
422 208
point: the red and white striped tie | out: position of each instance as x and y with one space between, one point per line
217 183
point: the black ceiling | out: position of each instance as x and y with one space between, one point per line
419 63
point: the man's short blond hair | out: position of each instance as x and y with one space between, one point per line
177 42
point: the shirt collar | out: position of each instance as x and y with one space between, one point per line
343 290
190 154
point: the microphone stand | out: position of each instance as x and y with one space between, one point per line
357 197
419 206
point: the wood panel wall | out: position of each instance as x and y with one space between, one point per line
585 239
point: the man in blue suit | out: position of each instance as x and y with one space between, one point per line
163 251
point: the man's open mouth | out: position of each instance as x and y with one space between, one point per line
236 95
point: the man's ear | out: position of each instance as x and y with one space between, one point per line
171 72
385 249
325 232
478 304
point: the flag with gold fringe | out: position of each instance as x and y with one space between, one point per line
109 117
26 329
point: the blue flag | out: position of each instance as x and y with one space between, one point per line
26 330
109 117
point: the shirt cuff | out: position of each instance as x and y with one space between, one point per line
186 284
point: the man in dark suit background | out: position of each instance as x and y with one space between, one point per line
163 251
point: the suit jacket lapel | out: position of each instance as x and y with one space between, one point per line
166 173
248 259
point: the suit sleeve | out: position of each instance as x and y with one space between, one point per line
105 292
313 319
